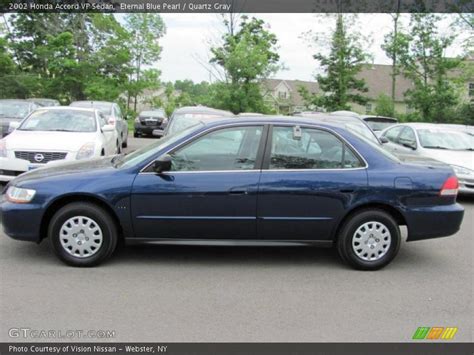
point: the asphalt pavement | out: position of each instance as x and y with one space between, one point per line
238 294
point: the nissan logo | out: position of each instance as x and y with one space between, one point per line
39 157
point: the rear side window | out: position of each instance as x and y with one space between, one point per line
307 148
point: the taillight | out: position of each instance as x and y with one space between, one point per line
450 187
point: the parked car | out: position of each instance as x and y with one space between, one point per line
148 121
13 111
54 134
45 102
189 116
350 120
379 123
437 142
113 113
315 184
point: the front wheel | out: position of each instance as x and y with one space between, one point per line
369 240
82 234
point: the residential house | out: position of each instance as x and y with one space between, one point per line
284 97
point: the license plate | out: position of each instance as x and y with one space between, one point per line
32 168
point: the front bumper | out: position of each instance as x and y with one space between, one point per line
433 221
12 167
466 184
13 217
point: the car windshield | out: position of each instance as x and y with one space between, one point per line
445 139
148 151
103 107
182 121
16 109
379 126
60 121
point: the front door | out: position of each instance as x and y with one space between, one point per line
210 192
311 177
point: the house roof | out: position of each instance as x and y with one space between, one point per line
293 85
378 78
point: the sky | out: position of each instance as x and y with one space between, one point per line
187 41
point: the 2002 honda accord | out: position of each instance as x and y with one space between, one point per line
250 181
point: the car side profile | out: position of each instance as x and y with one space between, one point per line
262 180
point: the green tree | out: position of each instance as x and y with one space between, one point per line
145 31
423 61
384 106
339 83
246 56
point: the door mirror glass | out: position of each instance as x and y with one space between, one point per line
162 164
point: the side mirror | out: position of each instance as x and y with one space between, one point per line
108 128
162 164
383 140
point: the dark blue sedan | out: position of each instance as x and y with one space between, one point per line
274 180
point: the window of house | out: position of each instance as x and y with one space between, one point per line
471 89
368 108
282 94
315 149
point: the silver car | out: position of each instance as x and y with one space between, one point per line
113 113
13 111
434 141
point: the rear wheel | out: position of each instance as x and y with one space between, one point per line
369 240
124 142
82 234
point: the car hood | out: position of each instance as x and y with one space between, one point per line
66 168
5 120
464 158
48 141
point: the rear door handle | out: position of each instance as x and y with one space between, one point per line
347 191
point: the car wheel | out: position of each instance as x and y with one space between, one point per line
82 234
135 135
118 148
124 143
369 240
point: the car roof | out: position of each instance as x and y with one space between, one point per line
91 102
68 108
156 112
202 109
16 100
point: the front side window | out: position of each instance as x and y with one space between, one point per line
393 133
233 148
306 148
407 138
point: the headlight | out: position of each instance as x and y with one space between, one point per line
18 195
3 148
459 170
137 120
86 151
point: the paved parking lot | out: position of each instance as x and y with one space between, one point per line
180 293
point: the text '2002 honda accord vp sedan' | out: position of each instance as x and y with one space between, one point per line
274 181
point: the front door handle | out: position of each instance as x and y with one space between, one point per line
238 192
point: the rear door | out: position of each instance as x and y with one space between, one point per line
309 178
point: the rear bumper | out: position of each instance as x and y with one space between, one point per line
142 129
434 221
466 185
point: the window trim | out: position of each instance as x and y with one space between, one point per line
258 160
262 153
268 148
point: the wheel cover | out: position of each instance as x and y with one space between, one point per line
81 236
371 241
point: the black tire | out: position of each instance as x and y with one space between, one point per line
347 233
124 143
135 135
97 215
